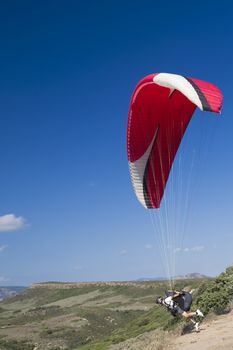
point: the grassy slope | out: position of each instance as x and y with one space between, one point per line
89 317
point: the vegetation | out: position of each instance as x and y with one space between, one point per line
151 320
91 316
16 345
216 295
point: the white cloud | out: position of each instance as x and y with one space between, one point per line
3 247
177 250
198 248
148 246
10 222
78 267
4 279
123 252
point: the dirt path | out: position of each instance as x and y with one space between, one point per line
214 335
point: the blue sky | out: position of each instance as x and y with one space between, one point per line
68 69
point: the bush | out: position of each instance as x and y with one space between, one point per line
16 345
216 295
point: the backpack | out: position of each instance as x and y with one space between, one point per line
188 299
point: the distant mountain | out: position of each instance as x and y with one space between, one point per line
145 279
194 275
7 292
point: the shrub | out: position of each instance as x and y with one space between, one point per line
216 295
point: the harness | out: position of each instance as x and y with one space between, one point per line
183 301
169 305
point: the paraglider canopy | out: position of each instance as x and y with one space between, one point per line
160 110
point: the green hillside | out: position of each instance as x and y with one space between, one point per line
83 316
95 316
